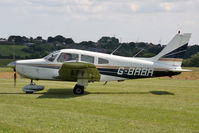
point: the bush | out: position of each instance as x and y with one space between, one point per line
192 62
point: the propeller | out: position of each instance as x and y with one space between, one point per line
15 77
13 65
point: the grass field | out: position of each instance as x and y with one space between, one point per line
146 105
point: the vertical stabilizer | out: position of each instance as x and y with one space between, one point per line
173 53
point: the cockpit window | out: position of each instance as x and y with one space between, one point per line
102 61
51 57
87 58
68 57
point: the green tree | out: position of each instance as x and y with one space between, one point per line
59 38
192 62
108 40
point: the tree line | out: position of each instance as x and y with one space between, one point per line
25 40
39 47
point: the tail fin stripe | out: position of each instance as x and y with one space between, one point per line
170 59
174 53
177 53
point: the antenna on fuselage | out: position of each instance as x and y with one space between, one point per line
118 46
138 52
116 49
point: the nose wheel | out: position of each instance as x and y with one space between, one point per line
32 87
78 89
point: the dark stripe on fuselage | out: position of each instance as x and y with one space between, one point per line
113 72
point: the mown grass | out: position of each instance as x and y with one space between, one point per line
147 105
6 69
194 69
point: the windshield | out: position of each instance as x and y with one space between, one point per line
51 57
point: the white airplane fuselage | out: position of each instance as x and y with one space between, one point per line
125 67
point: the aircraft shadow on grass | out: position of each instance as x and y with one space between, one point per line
60 93
68 93
152 92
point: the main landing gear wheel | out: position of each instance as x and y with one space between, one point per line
78 89
29 92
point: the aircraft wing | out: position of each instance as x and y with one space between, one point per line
72 71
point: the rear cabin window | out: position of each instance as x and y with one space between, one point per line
67 57
87 58
102 61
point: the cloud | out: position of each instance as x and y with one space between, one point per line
167 6
134 7
98 8
126 17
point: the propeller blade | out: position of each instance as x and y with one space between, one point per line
13 65
15 77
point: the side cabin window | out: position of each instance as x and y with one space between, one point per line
68 57
102 61
87 58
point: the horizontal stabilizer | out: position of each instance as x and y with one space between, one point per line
180 70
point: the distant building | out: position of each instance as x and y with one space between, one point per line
3 40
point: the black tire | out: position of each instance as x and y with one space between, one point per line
78 89
29 92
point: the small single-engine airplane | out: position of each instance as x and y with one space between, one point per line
84 67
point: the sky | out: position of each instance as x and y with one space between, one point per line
155 21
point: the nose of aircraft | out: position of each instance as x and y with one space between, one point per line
12 64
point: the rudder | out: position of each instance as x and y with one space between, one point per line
173 53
